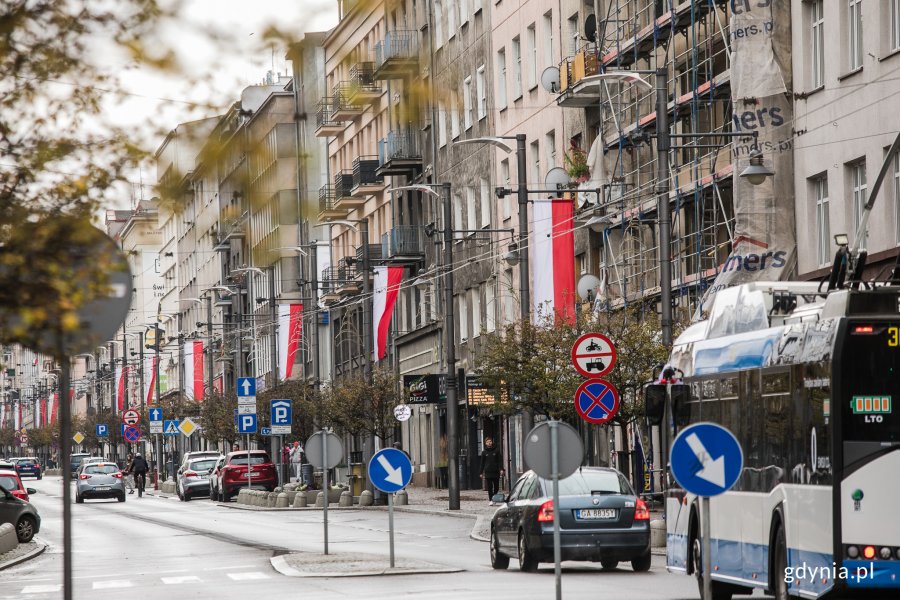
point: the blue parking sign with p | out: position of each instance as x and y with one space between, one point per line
102 431
247 423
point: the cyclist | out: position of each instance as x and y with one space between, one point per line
140 467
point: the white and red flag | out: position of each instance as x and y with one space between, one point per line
193 369
290 328
121 376
553 259
149 378
387 285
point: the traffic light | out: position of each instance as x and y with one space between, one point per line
152 338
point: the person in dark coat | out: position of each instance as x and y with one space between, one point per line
491 467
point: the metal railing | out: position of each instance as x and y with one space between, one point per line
398 144
327 198
362 79
403 240
400 44
343 183
364 171
324 110
342 97
374 255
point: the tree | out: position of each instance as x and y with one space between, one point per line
358 407
217 417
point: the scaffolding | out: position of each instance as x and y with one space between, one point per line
690 40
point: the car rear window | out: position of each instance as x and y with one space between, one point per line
101 469
202 465
255 459
584 483
8 482
27 462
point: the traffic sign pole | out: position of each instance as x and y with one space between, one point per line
391 525
325 487
554 466
705 546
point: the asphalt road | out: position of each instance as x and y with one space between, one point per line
161 548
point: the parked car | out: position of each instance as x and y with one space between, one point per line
29 466
99 480
75 460
601 519
213 479
6 464
23 515
10 480
192 479
232 475
189 456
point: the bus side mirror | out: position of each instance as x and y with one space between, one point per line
655 403
681 396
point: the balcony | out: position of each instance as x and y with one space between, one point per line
343 107
366 180
397 55
399 154
364 88
328 208
348 284
326 125
374 256
403 243
343 196
328 284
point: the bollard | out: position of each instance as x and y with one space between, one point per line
242 497
365 498
346 498
279 489
320 500
657 533
270 499
401 498
281 500
300 500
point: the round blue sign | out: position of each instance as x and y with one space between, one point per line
132 434
390 470
706 459
596 401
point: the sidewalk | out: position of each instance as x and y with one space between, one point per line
21 553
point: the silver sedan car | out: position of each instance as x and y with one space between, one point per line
99 480
192 478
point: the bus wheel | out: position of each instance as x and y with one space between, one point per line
779 566
720 591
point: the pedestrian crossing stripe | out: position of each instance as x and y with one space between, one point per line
869 405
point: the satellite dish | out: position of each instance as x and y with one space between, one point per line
590 28
587 286
550 79
557 177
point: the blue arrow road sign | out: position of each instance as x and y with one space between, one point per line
246 423
102 431
390 470
246 386
706 459
156 414
171 427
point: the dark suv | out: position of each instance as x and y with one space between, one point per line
28 466
23 515
231 475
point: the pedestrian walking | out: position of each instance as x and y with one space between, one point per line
491 468
399 446
235 447
296 455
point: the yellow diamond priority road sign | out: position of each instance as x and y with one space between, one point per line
78 437
187 427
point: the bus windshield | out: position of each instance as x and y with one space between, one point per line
871 382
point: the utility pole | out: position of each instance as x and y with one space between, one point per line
209 340
124 370
524 249
369 445
663 144
141 368
450 331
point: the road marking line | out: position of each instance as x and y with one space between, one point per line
181 579
42 589
227 568
114 583
247 576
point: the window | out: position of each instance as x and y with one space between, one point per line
550 149
895 25
854 23
508 297
454 117
531 40
475 295
463 315
471 208
823 226
581 264
501 78
463 12
535 162
817 21
485 203
451 17
440 126
479 89
438 24
517 66
858 189
467 103
548 39
490 307
457 216
504 181
573 34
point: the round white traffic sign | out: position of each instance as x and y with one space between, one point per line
593 355
131 417
402 412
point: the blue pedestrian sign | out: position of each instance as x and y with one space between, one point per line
280 412
265 431
171 427
156 414
102 431
246 386
246 423
390 470
596 401
706 459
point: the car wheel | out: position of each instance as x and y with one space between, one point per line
25 529
779 560
39 477
642 563
608 564
79 499
527 561
186 497
498 559
122 498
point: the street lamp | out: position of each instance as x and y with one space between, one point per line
756 172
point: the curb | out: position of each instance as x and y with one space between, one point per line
479 523
20 559
279 563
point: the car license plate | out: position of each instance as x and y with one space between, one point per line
589 514
101 489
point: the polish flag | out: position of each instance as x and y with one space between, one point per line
43 403
149 379
553 259
54 415
387 284
3 415
193 369
290 328
51 407
121 374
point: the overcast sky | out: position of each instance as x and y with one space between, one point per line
214 72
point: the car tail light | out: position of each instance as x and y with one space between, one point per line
84 476
640 511
545 513
117 475
190 474
869 552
